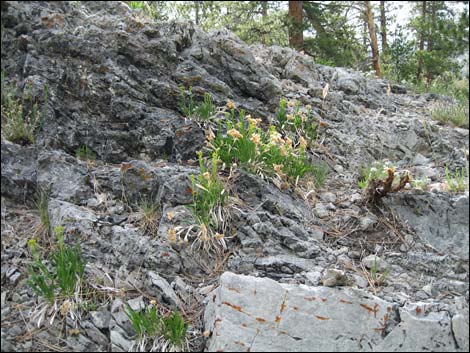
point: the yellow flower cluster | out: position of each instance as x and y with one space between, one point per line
252 121
302 143
210 135
171 235
256 138
230 105
278 169
275 137
288 142
235 134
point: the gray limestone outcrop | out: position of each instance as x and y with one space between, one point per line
253 314
296 257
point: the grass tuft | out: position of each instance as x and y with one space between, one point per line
161 333
85 153
458 180
174 329
149 213
43 230
67 268
457 115
203 111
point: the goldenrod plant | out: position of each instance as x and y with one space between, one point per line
268 154
209 199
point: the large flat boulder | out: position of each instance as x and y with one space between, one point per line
261 315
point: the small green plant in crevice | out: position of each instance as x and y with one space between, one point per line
174 329
378 279
136 4
67 269
145 6
158 332
202 111
68 263
206 109
376 171
20 119
297 122
421 183
145 322
187 105
320 171
458 180
282 112
40 279
85 153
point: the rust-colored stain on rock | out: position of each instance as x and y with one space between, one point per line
322 317
235 307
371 310
345 301
310 299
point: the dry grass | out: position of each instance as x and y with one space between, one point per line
149 216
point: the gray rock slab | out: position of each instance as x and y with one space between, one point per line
63 176
100 319
261 315
19 171
162 284
420 333
440 219
460 329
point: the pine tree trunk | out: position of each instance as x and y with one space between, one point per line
196 8
264 8
383 25
432 33
421 40
296 38
373 38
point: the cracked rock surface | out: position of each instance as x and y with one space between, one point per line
253 314
297 271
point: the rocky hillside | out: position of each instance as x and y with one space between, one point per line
303 264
